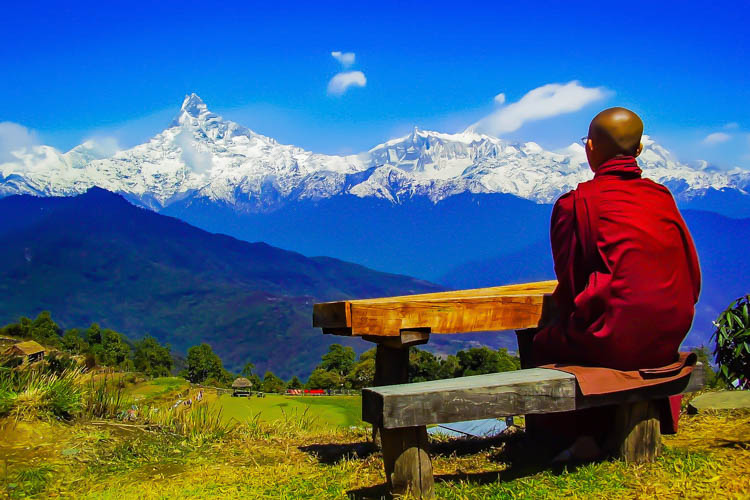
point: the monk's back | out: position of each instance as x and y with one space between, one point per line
644 280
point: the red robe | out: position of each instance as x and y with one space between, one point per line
628 273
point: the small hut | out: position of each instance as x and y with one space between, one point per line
241 387
30 351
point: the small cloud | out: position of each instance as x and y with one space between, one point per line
345 58
198 161
542 102
15 137
342 81
102 145
716 138
732 126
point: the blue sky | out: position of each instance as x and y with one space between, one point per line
74 71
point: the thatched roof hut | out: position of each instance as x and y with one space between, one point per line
241 383
31 351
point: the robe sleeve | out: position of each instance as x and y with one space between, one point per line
565 250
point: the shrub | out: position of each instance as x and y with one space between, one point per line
733 343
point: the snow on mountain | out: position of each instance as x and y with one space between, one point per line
204 157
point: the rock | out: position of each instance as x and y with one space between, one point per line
720 400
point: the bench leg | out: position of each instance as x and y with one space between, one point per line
407 463
636 435
391 367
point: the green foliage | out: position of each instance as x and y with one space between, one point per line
338 359
151 358
247 370
712 381
423 365
482 360
295 383
363 373
72 342
272 383
104 399
733 343
324 379
203 364
39 393
42 329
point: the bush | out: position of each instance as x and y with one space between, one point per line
733 343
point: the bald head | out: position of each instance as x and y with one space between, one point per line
613 132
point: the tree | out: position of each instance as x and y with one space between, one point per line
324 379
94 334
712 381
152 358
203 364
423 365
338 359
479 361
114 350
272 383
247 370
73 343
733 343
295 383
44 330
449 368
363 374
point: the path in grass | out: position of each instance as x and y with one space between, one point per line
330 411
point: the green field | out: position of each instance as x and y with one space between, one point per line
156 389
329 411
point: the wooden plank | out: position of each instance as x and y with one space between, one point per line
636 435
482 309
537 390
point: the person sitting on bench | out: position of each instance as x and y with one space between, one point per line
626 264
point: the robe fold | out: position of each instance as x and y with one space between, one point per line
628 273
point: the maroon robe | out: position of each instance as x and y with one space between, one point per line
628 273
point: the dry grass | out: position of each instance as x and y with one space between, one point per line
709 458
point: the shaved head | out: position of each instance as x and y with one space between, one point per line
613 132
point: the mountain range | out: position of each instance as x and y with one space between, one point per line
461 210
97 258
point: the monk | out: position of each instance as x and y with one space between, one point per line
627 269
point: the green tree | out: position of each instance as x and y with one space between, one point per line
479 361
324 379
272 383
449 368
94 334
44 330
73 343
711 380
423 365
114 350
363 374
338 359
151 358
247 370
732 337
295 383
203 364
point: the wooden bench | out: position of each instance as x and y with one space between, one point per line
400 411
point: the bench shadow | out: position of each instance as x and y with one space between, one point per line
523 456
734 443
330 454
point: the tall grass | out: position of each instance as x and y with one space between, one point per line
37 393
199 423
105 399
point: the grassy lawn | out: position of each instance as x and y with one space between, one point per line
328 411
158 388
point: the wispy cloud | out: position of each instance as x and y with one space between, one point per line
341 82
732 126
198 161
542 102
345 58
716 138
15 137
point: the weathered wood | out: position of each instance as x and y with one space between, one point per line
636 435
407 338
522 392
391 368
407 462
462 311
482 396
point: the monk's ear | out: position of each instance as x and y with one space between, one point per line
638 151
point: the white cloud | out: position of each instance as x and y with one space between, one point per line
716 138
731 126
500 98
198 161
102 145
342 81
15 137
543 102
345 58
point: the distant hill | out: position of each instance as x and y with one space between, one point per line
722 250
96 257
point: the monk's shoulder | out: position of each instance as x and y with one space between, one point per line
565 202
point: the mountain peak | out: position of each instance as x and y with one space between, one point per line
193 105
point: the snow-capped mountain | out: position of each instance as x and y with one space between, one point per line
201 156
